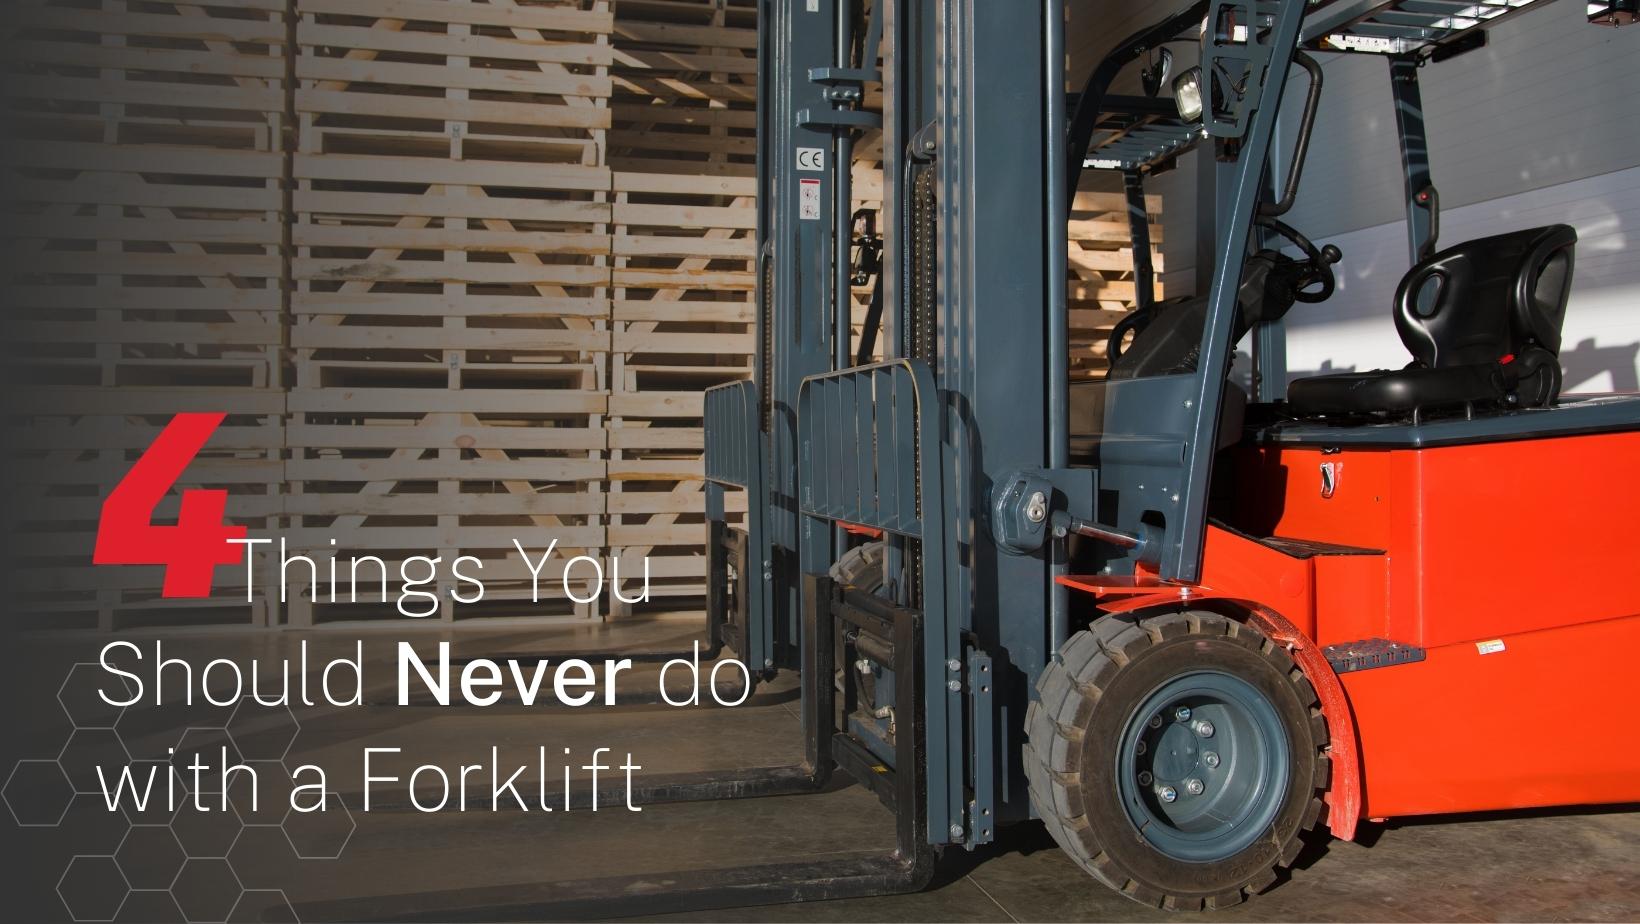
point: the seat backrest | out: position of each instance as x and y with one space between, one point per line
1489 298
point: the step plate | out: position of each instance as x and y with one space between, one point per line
1369 653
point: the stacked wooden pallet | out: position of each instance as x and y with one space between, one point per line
451 282
683 322
1102 288
685 87
143 164
683 148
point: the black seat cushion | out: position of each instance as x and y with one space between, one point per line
1396 391
1482 322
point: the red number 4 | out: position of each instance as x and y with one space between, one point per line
190 550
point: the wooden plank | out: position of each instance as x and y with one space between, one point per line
177 61
381 470
433 400
450 306
143 298
492 79
433 171
439 435
398 105
402 271
266 31
376 237
163 159
445 205
143 400
545 18
514 339
465 46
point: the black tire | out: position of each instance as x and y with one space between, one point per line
1089 706
861 566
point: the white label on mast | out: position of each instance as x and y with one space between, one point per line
812 160
808 200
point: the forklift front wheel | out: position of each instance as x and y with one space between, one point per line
1178 758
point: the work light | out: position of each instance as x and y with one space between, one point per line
1187 94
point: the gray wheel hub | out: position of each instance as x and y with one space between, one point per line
1203 766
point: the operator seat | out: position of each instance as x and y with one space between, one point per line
1482 321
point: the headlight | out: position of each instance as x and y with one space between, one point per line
1187 94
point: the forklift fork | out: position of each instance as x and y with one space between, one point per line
830 611
724 546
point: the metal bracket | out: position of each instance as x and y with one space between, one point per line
844 86
1023 505
1235 64
837 76
982 773
925 144
838 119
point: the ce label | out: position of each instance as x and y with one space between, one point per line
812 160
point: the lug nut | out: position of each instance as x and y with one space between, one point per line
1211 759
1182 713
1156 721
1194 787
1140 748
1167 794
1204 728
1145 778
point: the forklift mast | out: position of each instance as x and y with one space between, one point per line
970 411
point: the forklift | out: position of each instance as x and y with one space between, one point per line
1181 625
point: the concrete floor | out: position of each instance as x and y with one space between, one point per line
398 863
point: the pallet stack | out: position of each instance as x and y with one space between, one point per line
1102 288
451 275
144 209
685 87
683 151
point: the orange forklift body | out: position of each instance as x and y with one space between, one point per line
1512 564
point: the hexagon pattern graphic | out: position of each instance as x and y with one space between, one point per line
92 757
320 835
150 857
89 827
93 888
38 793
262 732
207 891
168 859
82 696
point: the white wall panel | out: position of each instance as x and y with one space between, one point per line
1601 344
1549 100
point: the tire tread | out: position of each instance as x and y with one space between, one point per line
1071 686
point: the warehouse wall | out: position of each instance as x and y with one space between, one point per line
1541 126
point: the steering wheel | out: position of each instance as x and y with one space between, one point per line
1133 322
1317 266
